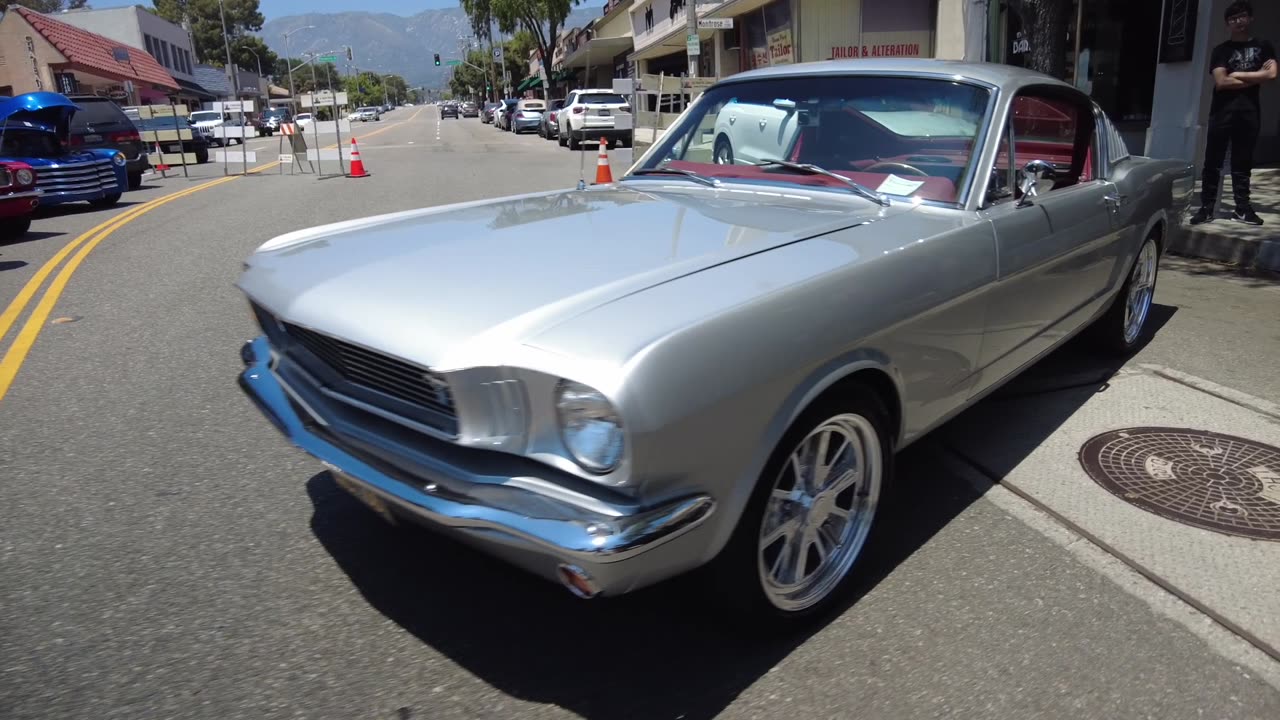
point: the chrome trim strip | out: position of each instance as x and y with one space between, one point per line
29 193
586 537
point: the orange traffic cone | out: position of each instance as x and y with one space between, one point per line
357 165
603 173
160 160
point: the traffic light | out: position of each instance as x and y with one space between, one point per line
437 59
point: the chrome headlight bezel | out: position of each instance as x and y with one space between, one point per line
590 427
23 176
118 159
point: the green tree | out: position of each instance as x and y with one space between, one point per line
204 17
541 19
49 6
326 75
366 88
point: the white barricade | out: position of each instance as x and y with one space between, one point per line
327 154
235 156
234 131
325 127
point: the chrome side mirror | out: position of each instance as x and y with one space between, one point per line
1035 177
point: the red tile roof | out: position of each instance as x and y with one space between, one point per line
93 51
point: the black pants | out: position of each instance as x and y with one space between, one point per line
1240 131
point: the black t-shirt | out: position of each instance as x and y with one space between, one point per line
1247 56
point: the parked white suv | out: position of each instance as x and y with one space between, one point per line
591 115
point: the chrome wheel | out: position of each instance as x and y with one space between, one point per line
1142 284
819 512
723 152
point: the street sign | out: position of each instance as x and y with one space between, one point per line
715 23
497 54
285 159
692 44
452 62
327 58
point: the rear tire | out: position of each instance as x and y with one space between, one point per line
767 571
574 142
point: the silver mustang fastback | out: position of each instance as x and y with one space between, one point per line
713 361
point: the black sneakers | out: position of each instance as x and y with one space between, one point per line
1248 217
1203 215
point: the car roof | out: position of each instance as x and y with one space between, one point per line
987 73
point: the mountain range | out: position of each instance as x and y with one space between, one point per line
389 43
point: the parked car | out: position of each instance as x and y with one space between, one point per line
548 127
101 123
303 120
168 131
210 120
366 114
449 110
502 117
589 115
469 109
270 120
726 383
37 131
486 114
19 198
527 115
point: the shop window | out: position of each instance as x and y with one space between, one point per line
766 36
164 50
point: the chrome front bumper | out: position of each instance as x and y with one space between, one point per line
617 546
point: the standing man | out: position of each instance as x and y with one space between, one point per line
1239 66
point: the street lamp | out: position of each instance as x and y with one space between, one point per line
293 98
255 57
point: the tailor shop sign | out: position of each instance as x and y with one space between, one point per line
886 45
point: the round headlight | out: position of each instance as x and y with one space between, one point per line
589 425
118 159
25 176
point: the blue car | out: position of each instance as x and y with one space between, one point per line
36 130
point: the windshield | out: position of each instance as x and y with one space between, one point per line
161 123
601 99
96 112
909 137
206 116
368 109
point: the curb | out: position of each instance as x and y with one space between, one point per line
1249 253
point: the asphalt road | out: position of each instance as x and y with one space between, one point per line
164 553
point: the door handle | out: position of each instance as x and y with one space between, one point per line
763 123
1115 199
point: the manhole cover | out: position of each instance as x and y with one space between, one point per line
1212 481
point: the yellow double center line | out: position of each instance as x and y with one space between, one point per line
86 242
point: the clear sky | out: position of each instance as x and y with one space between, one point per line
278 8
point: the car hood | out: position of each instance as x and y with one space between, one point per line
46 111
435 285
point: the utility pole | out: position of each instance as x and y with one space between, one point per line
691 38
288 61
235 83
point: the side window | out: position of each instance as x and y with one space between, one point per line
1059 131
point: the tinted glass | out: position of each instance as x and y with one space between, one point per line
601 99
96 112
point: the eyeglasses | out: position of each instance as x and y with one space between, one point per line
1238 19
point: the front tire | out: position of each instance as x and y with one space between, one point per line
810 516
14 228
1126 324
135 180
107 201
723 153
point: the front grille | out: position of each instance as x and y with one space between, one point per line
77 177
377 372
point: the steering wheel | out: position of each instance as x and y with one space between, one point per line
896 167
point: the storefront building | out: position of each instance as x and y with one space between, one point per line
38 53
1145 62
780 32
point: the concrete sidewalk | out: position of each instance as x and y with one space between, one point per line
1225 240
1187 504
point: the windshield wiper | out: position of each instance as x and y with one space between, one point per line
858 187
709 182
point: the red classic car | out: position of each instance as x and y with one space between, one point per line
18 199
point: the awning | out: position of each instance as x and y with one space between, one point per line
533 81
186 87
562 75
598 52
